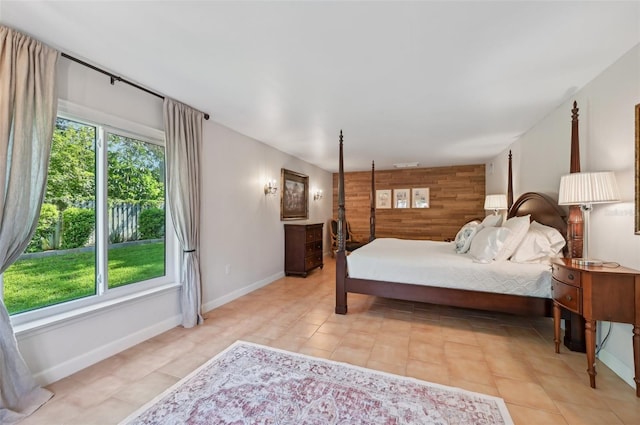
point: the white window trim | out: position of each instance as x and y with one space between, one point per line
70 310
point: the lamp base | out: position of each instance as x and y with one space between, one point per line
586 261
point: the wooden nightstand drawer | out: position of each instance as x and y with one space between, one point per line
567 295
568 276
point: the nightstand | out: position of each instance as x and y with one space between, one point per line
597 293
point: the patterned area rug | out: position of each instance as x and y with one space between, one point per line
253 384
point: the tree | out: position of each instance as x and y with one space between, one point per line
72 163
136 170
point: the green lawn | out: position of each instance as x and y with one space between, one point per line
37 282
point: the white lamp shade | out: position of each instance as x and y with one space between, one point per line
495 202
588 188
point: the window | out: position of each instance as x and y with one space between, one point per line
101 231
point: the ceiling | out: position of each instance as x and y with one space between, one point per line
438 83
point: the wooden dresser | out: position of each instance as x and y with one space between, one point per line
302 248
597 293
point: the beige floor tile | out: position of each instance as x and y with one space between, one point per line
527 416
145 389
183 365
389 354
579 414
527 394
470 370
508 367
355 356
429 372
572 391
454 350
324 341
488 389
112 411
396 369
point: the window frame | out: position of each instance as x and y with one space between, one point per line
108 124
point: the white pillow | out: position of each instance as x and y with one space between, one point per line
556 240
534 248
465 236
493 220
540 243
487 243
519 227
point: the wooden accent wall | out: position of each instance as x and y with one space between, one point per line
456 197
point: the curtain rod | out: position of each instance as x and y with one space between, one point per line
115 78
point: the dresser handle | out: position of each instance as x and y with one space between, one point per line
570 276
569 298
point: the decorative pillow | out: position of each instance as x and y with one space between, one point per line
556 240
487 243
465 235
519 227
493 220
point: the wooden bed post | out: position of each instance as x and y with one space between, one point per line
575 224
574 334
372 214
510 183
341 258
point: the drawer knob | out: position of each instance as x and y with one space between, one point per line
569 298
570 276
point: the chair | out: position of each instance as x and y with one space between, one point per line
350 243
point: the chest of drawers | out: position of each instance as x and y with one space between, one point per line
302 248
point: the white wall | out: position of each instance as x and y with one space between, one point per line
241 227
607 143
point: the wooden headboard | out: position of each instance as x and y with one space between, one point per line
543 209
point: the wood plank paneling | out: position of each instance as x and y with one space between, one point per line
456 196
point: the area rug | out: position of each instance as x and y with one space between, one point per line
253 384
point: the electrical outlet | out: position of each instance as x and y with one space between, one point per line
227 269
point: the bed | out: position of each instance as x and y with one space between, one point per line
367 277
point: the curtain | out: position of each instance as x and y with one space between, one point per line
28 105
183 133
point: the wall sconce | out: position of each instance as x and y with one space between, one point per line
317 195
270 188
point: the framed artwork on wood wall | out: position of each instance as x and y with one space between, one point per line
383 199
294 197
420 197
401 198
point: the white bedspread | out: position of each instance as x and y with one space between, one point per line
437 264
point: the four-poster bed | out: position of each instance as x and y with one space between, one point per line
540 207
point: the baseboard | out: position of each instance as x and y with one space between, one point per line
84 360
619 368
240 292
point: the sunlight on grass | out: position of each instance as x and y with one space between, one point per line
39 282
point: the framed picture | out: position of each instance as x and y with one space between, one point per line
294 197
401 198
383 198
420 197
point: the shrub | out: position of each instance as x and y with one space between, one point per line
152 223
77 225
43 237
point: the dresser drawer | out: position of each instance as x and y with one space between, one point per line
568 276
567 295
313 261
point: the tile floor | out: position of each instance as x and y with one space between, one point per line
507 356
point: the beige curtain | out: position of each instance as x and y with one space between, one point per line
28 105
183 133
